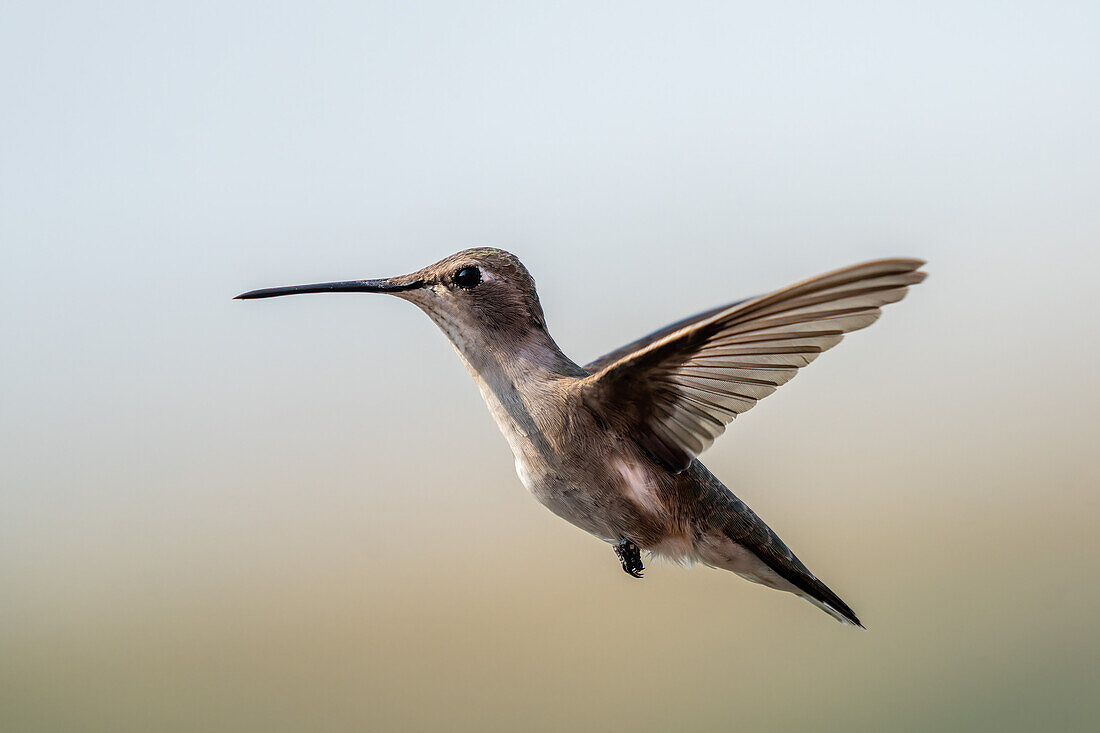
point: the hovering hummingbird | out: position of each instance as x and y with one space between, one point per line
612 446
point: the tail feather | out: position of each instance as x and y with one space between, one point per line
843 614
735 539
819 594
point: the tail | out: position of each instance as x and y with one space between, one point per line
772 563
819 594
736 539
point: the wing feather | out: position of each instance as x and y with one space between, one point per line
675 390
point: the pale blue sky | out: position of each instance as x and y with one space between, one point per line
645 160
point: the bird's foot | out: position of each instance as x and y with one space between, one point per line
630 555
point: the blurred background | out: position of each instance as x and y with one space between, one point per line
298 515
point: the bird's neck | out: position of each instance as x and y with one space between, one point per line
524 382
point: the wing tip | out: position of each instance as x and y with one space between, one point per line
909 263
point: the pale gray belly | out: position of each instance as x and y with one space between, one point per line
597 500
589 479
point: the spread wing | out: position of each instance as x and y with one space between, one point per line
675 390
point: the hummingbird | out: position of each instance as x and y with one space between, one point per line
612 446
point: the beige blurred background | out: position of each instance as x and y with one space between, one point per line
297 514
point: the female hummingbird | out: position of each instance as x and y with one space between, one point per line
612 446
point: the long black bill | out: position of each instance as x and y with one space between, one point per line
348 286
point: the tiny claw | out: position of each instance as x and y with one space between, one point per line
630 555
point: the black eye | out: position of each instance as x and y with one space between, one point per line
467 277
